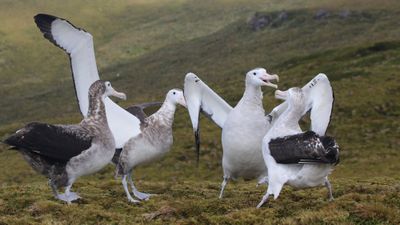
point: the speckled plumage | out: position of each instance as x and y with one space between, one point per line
151 144
154 141
65 152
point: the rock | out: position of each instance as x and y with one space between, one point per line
321 14
164 211
344 14
259 21
279 19
282 16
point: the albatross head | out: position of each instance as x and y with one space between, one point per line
260 77
175 96
294 96
104 89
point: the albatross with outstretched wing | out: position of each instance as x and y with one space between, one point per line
243 126
292 157
79 45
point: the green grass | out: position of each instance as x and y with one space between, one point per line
146 47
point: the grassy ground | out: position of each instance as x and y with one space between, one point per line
146 47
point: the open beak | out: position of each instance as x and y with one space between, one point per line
267 78
281 95
118 94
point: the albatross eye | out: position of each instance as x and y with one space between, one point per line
174 92
254 73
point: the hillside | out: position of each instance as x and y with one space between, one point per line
145 48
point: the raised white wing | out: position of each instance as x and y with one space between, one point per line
79 46
319 99
199 97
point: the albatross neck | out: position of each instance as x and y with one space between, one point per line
252 96
96 109
291 116
166 112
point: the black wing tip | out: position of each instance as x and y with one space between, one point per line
197 140
43 22
44 18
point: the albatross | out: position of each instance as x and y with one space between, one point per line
243 126
64 153
154 142
301 160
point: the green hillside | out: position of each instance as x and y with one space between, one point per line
146 47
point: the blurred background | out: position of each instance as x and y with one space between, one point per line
145 48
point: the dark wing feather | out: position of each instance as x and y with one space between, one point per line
59 143
305 147
138 110
43 22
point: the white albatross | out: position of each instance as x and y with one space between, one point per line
243 126
301 160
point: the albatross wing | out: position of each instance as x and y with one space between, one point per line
79 46
307 147
201 98
57 143
319 99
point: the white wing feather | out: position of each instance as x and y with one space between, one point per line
79 45
319 98
199 96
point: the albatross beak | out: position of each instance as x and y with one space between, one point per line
267 78
182 102
118 94
281 94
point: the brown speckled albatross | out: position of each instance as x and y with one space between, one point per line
151 144
65 152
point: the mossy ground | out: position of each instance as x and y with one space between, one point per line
146 47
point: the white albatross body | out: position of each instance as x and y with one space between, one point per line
243 126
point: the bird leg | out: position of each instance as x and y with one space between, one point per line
138 194
125 184
329 187
54 189
263 180
263 200
224 183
